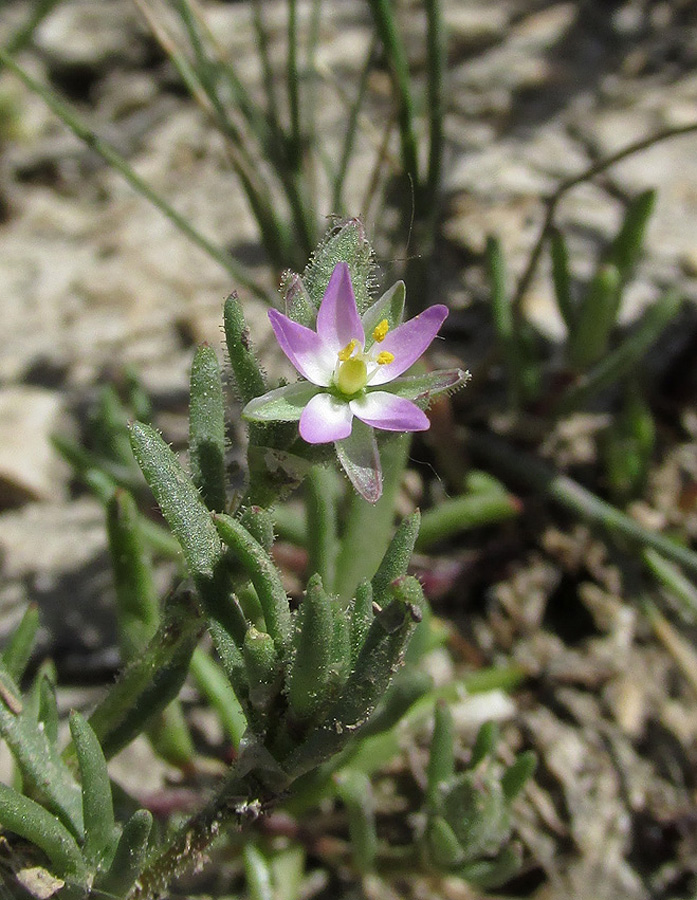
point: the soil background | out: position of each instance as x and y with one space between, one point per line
94 279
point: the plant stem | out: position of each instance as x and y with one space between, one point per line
384 17
188 847
111 156
553 201
437 59
571 495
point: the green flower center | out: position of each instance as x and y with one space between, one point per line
352 376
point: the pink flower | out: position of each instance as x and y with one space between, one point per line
352 366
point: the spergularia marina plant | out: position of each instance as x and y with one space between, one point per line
351 366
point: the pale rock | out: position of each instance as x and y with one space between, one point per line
29 466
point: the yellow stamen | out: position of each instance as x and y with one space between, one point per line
348 350
380 331
385 358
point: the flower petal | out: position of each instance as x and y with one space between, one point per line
338 321
383 410
285 404
408 341
359 458
303 348
325 419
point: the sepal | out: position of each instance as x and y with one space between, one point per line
284 404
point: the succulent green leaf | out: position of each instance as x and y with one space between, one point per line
97 807
488 874
517 774
380 656
260 524
261 661
408 686
627 246
150 682
485 744
458 514
621 361
507 332
443 846
396 560
248 376
130 856
258 873
308 681
181 505
48 707
596 317
321 529
32 822
213 684
361 617
19 648
561 276
45 775
136 597
477 811
232 661
441 761
264 576
207 429
356 792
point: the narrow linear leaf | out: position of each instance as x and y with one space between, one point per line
361 618
516 775
97 806
264 576
308 680
181 504
207 429
485 744
503 318
19 648
561 276
45 776
397 557
621 361
216 688
248 376
150 682
627 246
32 822
458 514
130 855
441 760
322 540
596 317
356 792
258 873
136 597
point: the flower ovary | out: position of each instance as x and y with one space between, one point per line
352 376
